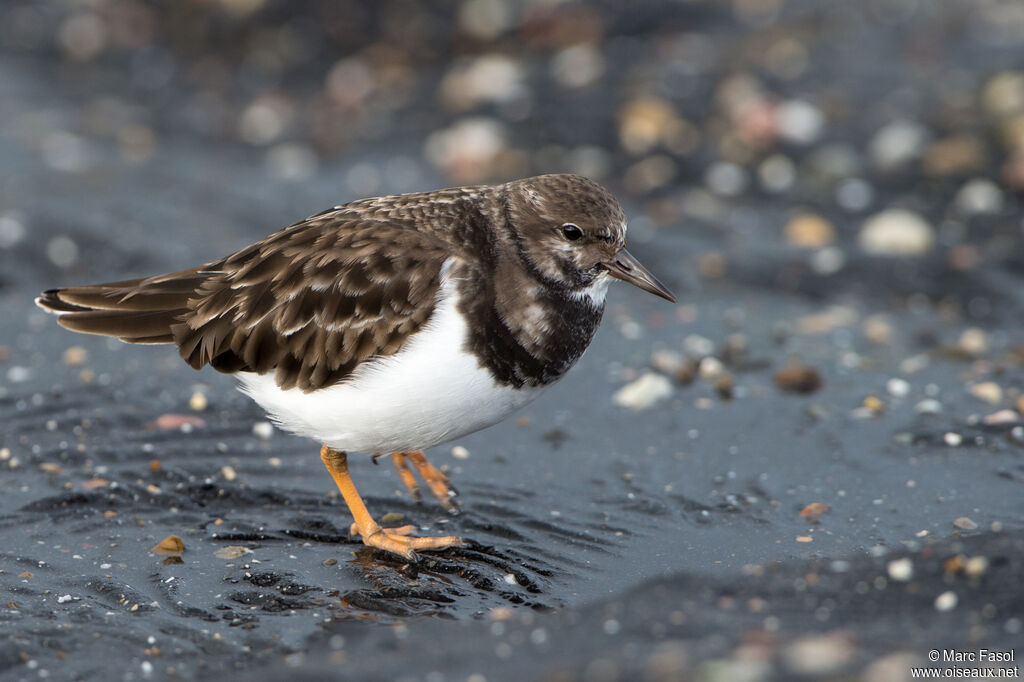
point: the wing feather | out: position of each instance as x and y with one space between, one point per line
313 304
308 303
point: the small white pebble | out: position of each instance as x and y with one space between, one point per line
979 196
953 439
973 341
946 601
643 393
228 473
799 121
989 391
64 599
198 402
1001 417
928 406
897 388
697 345
897 232
263 430
915 363
965 523
710 367
901 570
976 566
18 374
460 452
510 578
667 361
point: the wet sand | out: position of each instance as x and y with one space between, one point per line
734 528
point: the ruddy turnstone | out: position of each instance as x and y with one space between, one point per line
391 324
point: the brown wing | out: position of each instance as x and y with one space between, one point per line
308 303
136 311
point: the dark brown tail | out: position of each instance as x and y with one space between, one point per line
135 311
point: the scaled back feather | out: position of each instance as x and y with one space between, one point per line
308 303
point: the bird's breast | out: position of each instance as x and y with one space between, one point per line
525 334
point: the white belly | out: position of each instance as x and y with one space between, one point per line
430 392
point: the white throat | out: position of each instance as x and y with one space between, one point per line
596 292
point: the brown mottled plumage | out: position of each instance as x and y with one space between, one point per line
308 303
417 318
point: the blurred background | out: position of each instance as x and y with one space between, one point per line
776 122
817 454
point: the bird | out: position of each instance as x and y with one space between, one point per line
391 324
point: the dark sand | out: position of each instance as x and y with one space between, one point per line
604 543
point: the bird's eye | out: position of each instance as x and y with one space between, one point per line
572 231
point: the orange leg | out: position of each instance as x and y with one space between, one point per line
405 473
437 482
395 540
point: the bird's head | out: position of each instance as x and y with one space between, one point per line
571 233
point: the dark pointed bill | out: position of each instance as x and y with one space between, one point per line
627 268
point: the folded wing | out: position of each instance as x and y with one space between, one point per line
308 303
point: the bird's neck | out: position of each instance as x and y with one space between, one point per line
524 332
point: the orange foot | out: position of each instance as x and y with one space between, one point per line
435 479
397 540
394 540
